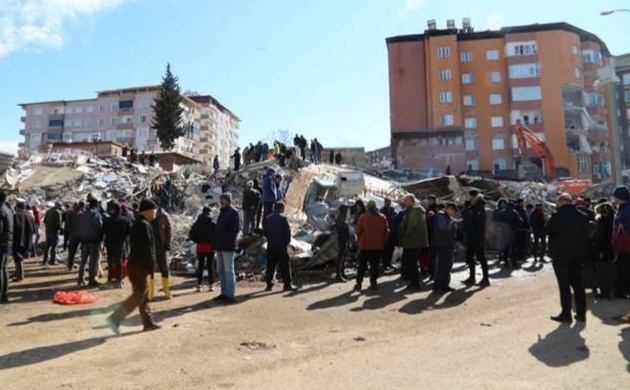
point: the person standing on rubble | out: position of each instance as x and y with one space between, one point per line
6 244
476 239
269 193
372 234
279 191
116 229
72 226
538 220
388 251
278 233
338 158
569 242
331 157
23 227
161 225
141 266
224 244
237 159
413 237
53 223
259 210
201 233
303 145
215 164
342 230
251 201
90 234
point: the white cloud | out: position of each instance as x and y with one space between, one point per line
495 21
27 24
412 6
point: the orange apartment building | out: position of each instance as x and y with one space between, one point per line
455 95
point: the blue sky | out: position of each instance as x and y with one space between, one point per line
314 67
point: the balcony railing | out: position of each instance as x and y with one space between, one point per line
22 131
123 126
126 110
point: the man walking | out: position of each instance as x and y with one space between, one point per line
72 221
90 233
162 230
224 242
6 243
569 241
278 232
141 265
372 233
412 238
53 224
251 200
476 239
388 252
23 230
116 230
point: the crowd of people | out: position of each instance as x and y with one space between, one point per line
589 245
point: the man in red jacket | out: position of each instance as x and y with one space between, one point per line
373 232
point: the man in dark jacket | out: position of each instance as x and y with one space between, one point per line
342 231
522 234
224 243
251 200
6 243
621 228
116 230
90 233
201 233
278 232
53 224
23 230
476 239
162 230
237 159
538 221
72 224
269 193
141 265
388 252
215 164
444 239
569 241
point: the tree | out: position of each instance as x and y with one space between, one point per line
167 111
282 135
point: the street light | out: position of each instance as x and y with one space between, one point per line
612 11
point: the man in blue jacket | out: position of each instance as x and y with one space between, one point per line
269 193
224 244
278 232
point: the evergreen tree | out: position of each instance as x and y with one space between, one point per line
167 111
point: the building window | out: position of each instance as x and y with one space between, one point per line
523 71
583 164
495 99
446 97
67 137
469 100
144 104
470 123
492 55
467 78
626 80
113 121
591 57
143 133
142 119
114 107
578 72
101 122
498 144
496 121
466 56
444 52
37 125
447 120
522 49
78 109
101 108
89 109
596 100
499 164
523 94
70 110
445 74
129 120
472 145
89 122
576 50
472 165
57 111
495 77
78 122
39 111
55 123
627 96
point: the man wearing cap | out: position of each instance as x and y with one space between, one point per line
251 200
412 236
6 242
569 241
224 243
372 233
278 232
23 230
621 227
53 225
141 266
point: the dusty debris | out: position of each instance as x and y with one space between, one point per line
257 346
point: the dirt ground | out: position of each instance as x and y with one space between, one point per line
323 337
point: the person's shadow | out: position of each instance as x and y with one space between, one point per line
624 346
562 347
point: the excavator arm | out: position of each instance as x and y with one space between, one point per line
526 136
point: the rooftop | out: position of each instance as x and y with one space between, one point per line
489 34
209 99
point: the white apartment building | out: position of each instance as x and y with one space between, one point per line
121 115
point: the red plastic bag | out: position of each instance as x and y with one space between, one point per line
74 298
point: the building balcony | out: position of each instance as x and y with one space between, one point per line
124 126
127 111
205 116
22 132
23 119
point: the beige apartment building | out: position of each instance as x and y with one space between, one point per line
124 116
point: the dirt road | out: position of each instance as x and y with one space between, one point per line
323 337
